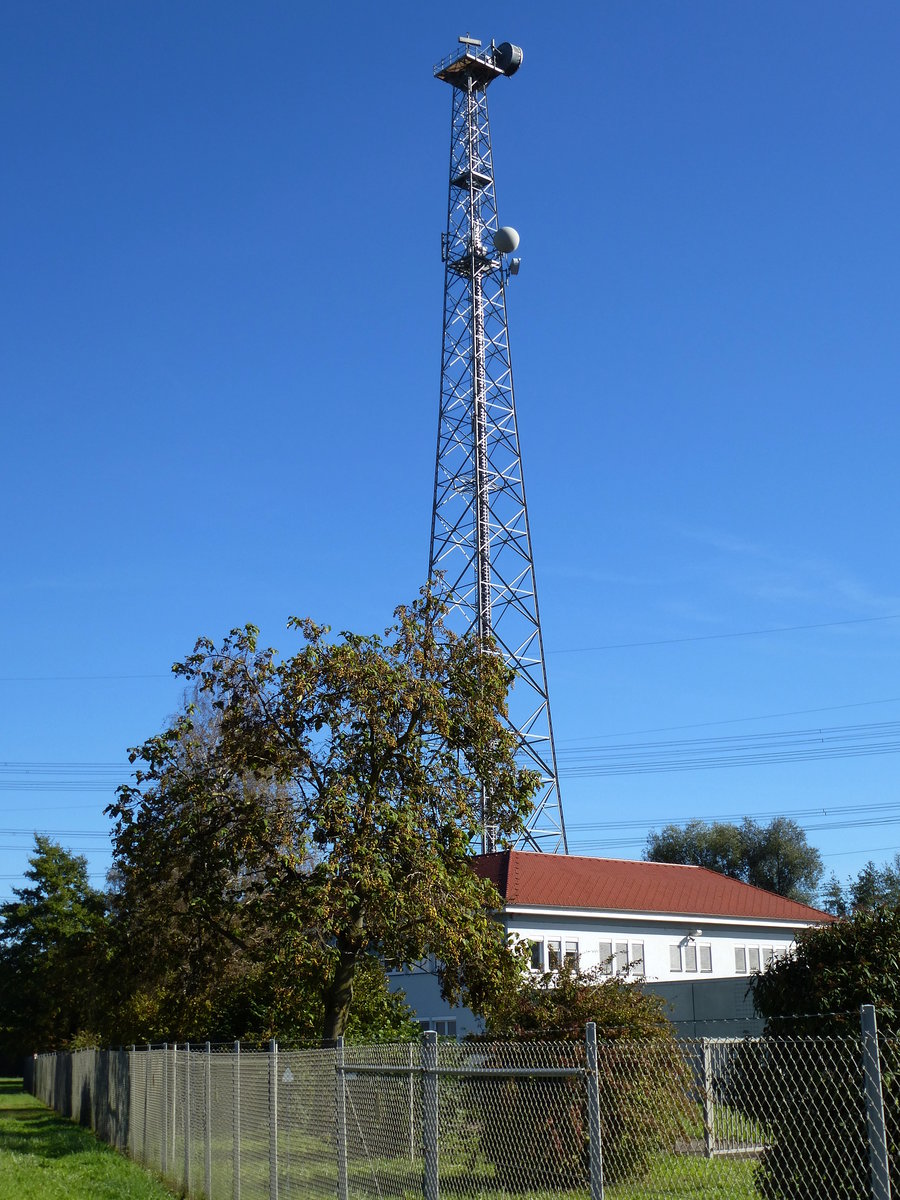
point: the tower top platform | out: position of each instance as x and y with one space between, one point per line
483 66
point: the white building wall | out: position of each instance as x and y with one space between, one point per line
704 948
701 946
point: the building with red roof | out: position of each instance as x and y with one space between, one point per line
681 929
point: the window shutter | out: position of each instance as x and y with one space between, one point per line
637 958
605 957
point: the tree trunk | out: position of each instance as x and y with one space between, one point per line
339 993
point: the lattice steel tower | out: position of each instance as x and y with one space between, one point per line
480 542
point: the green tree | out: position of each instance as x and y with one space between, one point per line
833 970
872 887
810 1078
776 856
330 811
53 947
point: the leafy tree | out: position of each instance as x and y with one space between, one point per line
328 812
831 972
834 969
53 939
644 1082
776 856
872 887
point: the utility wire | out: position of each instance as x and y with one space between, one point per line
866 739
716 637
703 637
829 810
793 712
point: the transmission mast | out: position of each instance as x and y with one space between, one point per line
480 542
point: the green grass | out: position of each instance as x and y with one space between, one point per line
45 1157
691 1178
670 1177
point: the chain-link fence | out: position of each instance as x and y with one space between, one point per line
782 1118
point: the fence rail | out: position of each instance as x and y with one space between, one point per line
776 1117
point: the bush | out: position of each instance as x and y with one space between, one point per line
535 1129
809 1088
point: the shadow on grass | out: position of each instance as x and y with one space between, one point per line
27 1127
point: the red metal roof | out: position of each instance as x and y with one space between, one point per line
617 884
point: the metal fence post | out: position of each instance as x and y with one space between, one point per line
412 1102
878 1155
340 1096
236 1123
207 1124
187 1118
148 1071
593 1107
164 1155
430 1113
131 1129
273 1120
709 1115
174 1092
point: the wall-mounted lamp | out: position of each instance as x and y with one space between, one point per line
694 933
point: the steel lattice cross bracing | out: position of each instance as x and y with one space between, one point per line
480 540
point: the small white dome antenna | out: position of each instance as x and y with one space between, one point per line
506 239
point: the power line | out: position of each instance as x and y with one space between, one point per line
794 712
629 842
818 810
82 833
735 750
715 637
76 678
702 637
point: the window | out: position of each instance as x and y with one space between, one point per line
687 956
441 1028
621 959
637 958
537 956
572 954
554 954
757 958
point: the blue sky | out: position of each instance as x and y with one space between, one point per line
219 356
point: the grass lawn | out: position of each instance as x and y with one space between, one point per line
691 1179
44 1157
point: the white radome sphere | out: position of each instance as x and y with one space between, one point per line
506 239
